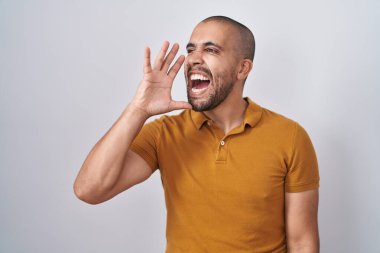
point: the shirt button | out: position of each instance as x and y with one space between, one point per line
222 143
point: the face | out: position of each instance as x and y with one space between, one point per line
210 66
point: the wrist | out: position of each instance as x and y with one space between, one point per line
137 110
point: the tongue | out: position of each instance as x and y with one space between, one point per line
201 84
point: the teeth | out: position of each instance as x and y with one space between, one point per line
198 77
195 90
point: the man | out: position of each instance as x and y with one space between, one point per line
237 177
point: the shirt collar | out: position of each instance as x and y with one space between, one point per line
252 115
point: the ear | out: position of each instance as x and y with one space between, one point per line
245 67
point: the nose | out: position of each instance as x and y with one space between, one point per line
195 58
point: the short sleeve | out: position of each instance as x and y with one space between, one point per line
146 142
303 172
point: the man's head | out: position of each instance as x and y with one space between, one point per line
220 57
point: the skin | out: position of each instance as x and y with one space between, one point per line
301 216
111 168
228 72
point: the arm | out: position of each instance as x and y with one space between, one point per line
301 215
111 167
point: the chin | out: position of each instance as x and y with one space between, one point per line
200 106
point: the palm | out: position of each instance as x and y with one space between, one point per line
154 93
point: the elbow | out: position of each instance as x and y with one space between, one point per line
303 249
310 245
85 195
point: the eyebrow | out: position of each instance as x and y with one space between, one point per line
208 43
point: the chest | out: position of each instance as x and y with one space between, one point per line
235 170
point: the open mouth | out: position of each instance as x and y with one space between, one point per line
199 82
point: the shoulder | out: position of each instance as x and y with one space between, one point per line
180 119
284 128
277 120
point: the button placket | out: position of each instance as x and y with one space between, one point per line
222 151
220 136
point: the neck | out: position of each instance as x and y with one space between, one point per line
230 113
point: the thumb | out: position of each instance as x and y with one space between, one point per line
177 105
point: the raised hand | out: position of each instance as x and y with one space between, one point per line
154 93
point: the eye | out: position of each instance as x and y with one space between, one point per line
189 50
211 50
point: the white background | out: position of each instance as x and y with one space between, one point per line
69 68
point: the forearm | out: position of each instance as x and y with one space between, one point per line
103 165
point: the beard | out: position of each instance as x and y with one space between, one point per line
218 91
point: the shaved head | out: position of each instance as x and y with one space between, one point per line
245 39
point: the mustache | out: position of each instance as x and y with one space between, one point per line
199 68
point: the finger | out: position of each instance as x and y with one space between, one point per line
170 57
161 55
147 65
176 67
178 105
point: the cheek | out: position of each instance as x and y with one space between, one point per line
186 62
185 70
220 73
216 66
185 66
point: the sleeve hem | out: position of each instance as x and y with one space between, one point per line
141 152
303 187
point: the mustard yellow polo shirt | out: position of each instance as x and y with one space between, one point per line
225 192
